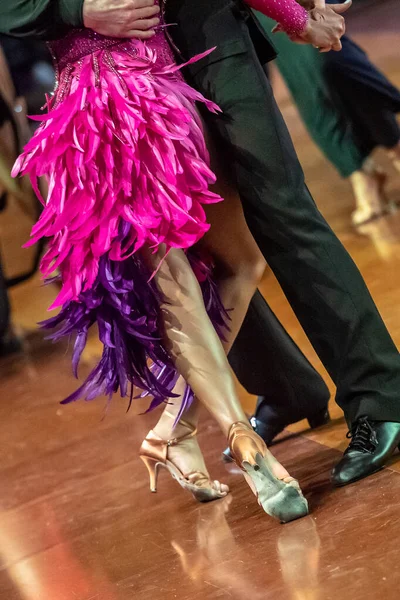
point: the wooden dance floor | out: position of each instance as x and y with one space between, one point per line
77 520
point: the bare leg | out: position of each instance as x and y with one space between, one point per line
240 265
201 360
193 342
239 268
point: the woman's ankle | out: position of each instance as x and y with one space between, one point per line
167 429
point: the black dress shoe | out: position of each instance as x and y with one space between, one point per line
268 430
372 444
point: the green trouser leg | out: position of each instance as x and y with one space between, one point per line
302 68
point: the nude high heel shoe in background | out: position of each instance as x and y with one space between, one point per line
369 191
154 454
280 498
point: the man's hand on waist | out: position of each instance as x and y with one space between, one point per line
121 18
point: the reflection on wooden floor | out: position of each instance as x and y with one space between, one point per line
77 521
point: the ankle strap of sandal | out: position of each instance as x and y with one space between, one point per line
176 440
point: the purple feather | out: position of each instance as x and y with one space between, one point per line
126 307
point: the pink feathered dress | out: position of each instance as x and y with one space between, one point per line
123 150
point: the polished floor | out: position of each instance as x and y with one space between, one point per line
77 521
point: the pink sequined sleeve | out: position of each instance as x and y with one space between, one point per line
292 17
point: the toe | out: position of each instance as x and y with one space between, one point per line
221 488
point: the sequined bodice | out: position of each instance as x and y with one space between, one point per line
78 43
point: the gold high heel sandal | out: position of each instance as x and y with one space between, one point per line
280 498
154 454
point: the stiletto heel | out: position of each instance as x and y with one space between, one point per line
280 498
152 467
154 454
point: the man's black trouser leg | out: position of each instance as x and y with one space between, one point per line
319 278
268 363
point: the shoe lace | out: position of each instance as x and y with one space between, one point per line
363 436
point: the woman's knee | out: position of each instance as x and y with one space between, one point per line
248 266
255 272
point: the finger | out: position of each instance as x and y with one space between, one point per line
320 3
140 35
325 49
144 13
145 24
337 47
341 8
